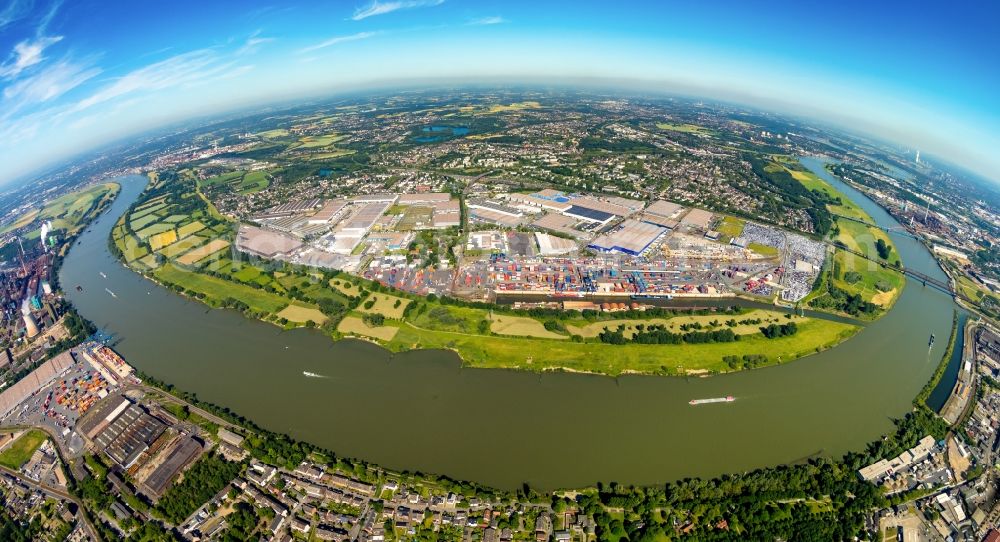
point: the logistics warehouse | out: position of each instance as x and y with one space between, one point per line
633 237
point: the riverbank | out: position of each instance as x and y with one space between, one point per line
925 393
847 272
839 400
187 248
965 382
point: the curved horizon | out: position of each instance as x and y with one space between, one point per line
75 78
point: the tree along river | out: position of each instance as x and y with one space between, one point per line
422 411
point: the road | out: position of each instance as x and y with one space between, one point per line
57 493
178 401
63 453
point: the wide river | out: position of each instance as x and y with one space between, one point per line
422 411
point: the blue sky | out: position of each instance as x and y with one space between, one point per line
77 74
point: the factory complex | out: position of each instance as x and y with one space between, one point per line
546 242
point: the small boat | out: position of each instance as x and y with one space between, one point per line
930 343
103 275
79 288
312 375
726 399
110 292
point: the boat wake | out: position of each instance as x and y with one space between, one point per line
313 375
726 399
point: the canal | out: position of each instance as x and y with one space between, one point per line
423 411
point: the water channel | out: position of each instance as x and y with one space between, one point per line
423 411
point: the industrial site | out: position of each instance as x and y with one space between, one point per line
546 243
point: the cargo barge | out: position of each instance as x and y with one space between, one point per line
726 399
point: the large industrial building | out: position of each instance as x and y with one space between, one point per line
663 209
423 198
35 380
447 213
602 206
126 432
330 210
290 208
544 200
633 237
589 215
550 245
265 243
560 224
697 218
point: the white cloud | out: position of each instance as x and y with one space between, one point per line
181 69
252 44
488 21
26 54
336 40
13 12
381 8
46 85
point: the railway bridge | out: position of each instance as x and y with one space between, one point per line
927 280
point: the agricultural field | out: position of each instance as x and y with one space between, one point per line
345 287
199 263
274 134
188 229
153 229
67 213
300 313
160 240
18 453
138 223
352 325
174 250
387 305
149 261
197 254
213 288
521 326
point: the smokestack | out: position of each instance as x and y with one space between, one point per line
30 327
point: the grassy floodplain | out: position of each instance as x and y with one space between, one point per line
492 339
67 213
850 272
539 354
188 247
